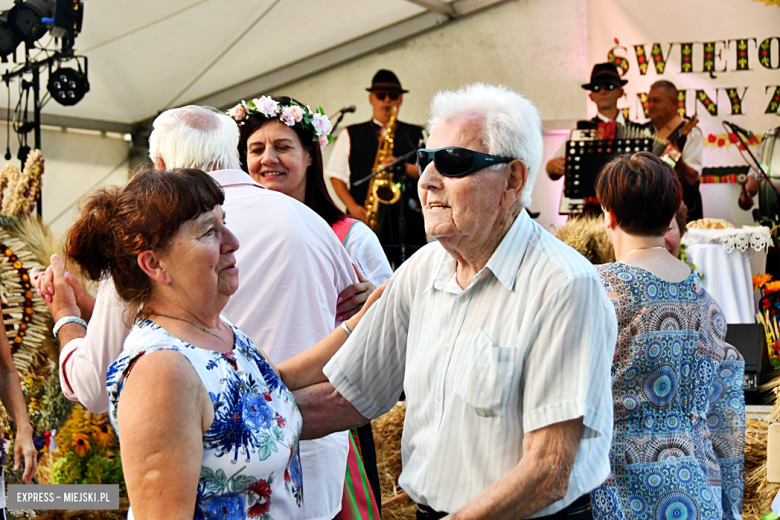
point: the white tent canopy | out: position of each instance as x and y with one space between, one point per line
146 56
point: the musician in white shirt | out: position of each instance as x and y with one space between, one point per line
501 336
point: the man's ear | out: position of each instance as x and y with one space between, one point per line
150 264
159 165
515 182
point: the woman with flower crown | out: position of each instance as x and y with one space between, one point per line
280 146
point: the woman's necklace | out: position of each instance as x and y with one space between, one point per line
204 329
635 250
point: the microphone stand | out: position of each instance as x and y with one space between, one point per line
738 132
336 124
403 201
390 166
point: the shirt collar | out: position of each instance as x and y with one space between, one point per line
620 119
505 260
233 178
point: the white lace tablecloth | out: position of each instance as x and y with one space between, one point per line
724 256
757 238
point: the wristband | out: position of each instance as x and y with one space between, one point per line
65 321
345 328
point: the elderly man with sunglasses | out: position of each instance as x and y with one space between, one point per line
501 336
353 158
606 88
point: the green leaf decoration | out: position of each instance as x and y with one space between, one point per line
241 482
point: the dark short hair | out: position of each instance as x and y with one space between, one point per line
642 191
668 86
116 224
316 194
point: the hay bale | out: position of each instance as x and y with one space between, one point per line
588 236
387 438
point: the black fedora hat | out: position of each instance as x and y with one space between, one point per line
604 73
385 80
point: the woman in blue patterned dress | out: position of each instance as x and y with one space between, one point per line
679 406
207 428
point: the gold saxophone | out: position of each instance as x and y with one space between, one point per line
382 191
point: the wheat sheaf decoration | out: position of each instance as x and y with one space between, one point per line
26 317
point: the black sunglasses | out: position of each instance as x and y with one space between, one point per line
457 162
605 86
381 95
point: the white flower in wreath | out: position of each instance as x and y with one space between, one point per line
266 106
321 124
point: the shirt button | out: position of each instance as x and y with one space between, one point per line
438 397
430 446
447 346
463 299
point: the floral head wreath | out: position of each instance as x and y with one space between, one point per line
315 122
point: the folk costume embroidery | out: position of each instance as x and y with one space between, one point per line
251 465
679 406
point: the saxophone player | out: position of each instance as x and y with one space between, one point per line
353 158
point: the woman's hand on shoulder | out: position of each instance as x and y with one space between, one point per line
163 411
352 299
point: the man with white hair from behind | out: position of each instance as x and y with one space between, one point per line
501 336
292 270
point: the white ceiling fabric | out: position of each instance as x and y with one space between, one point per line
142 54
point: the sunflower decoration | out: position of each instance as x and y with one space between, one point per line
80 444
88 451
104 435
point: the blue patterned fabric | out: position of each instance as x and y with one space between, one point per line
251 464
677 450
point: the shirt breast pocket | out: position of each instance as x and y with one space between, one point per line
488 377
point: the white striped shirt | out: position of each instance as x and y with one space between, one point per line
527 344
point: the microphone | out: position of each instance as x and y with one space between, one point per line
736 128
347 110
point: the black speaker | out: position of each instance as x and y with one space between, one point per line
750 340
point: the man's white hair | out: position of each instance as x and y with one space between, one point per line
511 126
195 137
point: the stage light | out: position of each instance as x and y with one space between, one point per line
25 19
67 86
8 40
68 17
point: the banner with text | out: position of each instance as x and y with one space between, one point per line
723 56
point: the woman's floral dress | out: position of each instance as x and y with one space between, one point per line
679 434
251 466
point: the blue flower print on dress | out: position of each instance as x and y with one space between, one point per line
293 477
256 413
223 507
255 421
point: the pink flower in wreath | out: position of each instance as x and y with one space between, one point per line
292 114
266 106
237 112
321 124
323 140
